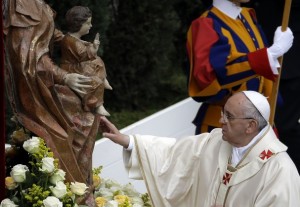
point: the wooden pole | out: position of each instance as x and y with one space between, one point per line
275 89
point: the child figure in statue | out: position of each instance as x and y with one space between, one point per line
79 56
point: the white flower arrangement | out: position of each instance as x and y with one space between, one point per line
8 203
41 183
110 193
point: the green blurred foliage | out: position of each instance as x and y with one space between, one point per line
140 53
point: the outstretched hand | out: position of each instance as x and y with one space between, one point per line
111 132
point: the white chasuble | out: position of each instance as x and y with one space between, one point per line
195 172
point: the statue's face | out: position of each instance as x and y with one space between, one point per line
85 28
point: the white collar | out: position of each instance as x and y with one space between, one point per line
239 152
228 8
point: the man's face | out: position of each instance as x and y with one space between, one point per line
234 123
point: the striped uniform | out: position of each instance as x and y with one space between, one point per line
225 56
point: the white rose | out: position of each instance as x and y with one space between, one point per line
32 145
47 165
18 173
112 184
138 201
7 203
52 201
59 175
106 193
60 190
112 204
130 190
78 188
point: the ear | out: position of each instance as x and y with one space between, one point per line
252 126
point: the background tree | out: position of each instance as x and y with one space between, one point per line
145 54
141 55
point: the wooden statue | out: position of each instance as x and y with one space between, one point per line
79 56
42 94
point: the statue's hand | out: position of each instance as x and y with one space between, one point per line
78 82
96 42
97 36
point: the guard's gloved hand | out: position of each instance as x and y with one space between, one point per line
282 42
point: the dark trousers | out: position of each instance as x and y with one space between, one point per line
287 117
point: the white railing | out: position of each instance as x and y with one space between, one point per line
174 121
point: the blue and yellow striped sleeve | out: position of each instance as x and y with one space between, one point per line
224 53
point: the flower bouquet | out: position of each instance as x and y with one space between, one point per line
109 193
40 183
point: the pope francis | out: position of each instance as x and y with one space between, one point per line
241 164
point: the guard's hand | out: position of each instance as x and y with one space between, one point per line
283 41
78 82
111 132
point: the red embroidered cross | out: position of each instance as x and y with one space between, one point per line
226 178
265 154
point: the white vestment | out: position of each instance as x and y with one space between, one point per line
195 172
